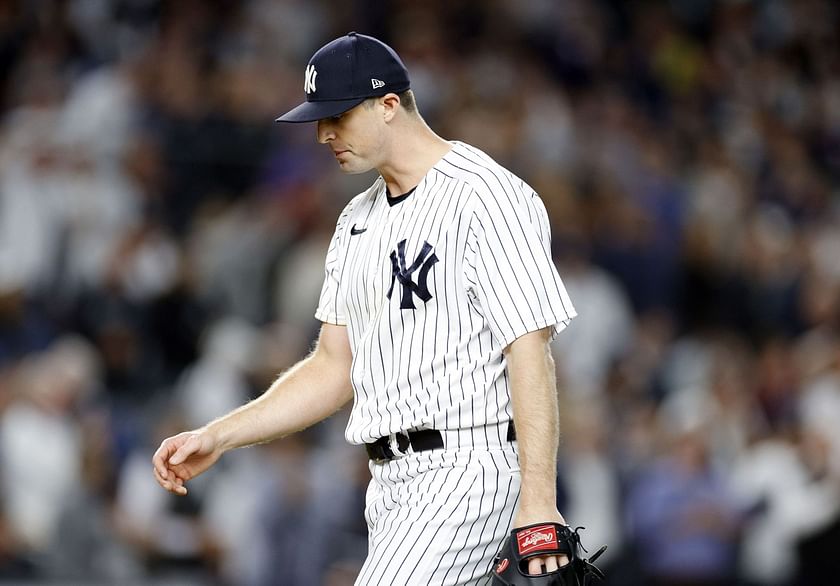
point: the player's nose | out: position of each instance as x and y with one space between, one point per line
325 131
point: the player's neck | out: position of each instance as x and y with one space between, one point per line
415 150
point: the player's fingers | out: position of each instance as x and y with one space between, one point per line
165 483
176 485
159 460
158 478
535 566
551 564
185 451
562 560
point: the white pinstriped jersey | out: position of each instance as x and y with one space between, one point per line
433 288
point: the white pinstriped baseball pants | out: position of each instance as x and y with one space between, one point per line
438 517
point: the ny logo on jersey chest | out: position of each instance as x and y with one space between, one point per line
402 273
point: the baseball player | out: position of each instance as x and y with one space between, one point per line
439 302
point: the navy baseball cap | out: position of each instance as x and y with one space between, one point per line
344 73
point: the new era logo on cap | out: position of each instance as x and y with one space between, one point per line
349 70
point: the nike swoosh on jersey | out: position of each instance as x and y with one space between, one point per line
356 231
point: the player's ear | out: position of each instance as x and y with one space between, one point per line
390 105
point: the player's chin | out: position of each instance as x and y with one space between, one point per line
353 167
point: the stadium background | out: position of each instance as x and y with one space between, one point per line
161 247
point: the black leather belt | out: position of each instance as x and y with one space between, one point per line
421 440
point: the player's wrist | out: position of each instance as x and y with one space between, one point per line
530 515
216 438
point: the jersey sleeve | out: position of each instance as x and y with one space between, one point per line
330 304
510 273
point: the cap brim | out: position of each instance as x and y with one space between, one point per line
312 111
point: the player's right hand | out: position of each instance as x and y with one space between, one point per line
182 457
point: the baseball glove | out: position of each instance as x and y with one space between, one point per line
510 567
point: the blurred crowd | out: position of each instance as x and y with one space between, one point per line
162 245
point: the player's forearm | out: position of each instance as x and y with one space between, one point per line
309 392
534 397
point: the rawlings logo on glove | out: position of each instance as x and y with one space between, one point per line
536 539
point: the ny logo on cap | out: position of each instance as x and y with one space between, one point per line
309 79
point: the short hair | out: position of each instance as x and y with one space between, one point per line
408 102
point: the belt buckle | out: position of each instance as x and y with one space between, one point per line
399 444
